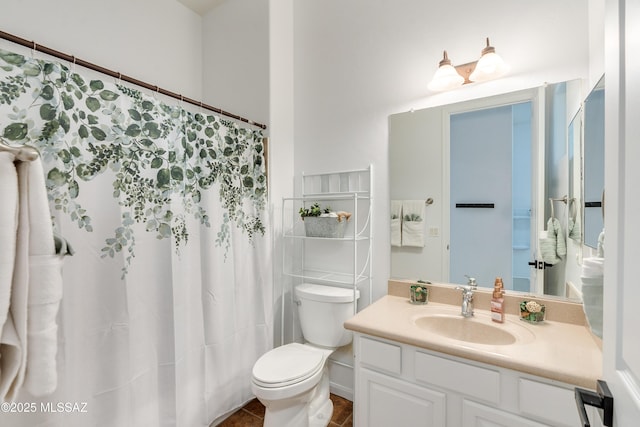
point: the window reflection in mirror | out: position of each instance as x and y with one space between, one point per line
593 165
574 226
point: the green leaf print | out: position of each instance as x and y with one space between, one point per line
92 104
47 112
154 154
16 131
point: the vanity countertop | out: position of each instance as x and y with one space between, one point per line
560 351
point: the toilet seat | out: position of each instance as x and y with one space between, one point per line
287 365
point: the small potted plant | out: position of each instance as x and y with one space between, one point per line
532 311
324 222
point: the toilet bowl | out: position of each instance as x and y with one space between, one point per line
292 380
287 380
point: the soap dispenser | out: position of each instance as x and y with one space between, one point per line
497 301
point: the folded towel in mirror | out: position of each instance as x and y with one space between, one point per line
413 223
553 246
592 277
396 221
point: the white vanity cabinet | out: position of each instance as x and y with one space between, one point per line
400 385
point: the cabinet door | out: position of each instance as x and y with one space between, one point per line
383 401
476 415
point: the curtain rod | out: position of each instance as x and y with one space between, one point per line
119 76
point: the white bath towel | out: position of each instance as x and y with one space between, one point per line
553 246
396 223
45 285
592 277
8 229
413 223
35 294
11 346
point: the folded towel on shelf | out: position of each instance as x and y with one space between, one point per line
592 268
592 277
396 223
553 246
413 223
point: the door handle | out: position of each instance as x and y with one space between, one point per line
603 399
540 265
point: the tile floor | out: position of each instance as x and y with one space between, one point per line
252 414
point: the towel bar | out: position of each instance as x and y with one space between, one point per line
475 205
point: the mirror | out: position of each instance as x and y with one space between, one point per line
426 163
594 165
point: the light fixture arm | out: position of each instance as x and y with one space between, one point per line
445 59
488 48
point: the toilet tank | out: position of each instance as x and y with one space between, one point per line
323 310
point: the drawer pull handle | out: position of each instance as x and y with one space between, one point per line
602 399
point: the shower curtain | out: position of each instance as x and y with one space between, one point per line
167 298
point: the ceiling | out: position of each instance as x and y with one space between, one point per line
201 6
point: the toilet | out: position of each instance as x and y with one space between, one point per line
292 381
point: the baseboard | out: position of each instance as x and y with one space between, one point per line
342 391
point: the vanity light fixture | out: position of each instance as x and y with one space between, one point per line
490 66
446 77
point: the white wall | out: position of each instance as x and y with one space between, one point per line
281 131
157 41
236 58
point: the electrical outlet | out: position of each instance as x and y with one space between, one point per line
434 231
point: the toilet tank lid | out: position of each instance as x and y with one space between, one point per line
324 293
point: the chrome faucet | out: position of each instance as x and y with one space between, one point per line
467 297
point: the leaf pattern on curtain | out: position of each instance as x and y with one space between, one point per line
156 152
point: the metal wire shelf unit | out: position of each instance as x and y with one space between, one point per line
350 189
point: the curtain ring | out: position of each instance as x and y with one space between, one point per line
34 48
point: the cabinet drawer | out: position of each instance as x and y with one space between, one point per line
480 383
381 355
476 415
548 402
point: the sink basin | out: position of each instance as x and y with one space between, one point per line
473 330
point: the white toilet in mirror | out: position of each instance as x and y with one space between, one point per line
292 381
